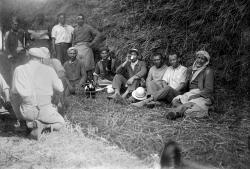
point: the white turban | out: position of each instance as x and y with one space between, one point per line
45 51
37 52
72 48
204 53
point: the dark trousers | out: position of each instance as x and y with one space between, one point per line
61 51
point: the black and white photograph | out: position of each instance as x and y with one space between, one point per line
124 84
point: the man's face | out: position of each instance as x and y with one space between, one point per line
72 55
104 54
133 57
61 19
200 60
174 60
80 20
14 26
157 61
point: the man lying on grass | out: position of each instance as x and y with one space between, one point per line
196 102
129 74
171 84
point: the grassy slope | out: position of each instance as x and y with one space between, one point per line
220 140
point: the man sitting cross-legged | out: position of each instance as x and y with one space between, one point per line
171 85
197 100
75 73
105 69
129 74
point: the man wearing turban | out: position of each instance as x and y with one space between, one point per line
198 99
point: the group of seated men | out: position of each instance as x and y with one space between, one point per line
189 90
41 83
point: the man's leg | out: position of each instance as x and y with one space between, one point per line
59 52
117 83
167 94
131 88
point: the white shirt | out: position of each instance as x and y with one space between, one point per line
3 84
174 77
35 78
62 33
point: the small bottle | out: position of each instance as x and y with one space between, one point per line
92 89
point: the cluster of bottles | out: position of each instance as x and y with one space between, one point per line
90 89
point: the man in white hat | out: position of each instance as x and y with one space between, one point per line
33 86
198 99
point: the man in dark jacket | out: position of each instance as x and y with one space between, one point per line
129 74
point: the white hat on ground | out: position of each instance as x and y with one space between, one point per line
110 89
139 93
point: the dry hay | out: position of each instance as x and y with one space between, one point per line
67 149
215 140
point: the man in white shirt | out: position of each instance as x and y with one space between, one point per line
61 38
32 89
171 85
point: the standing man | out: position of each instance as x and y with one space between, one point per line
14 45
61 38
84 37
129 74
172 84
33 86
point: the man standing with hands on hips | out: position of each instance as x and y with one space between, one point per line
84 37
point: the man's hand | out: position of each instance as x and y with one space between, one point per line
131 80
193 97
10 56
127 60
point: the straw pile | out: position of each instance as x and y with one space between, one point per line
220 140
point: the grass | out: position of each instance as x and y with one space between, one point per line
220 139
67 149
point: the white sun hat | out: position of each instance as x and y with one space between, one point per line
45 51
139 93
110 89
37 52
